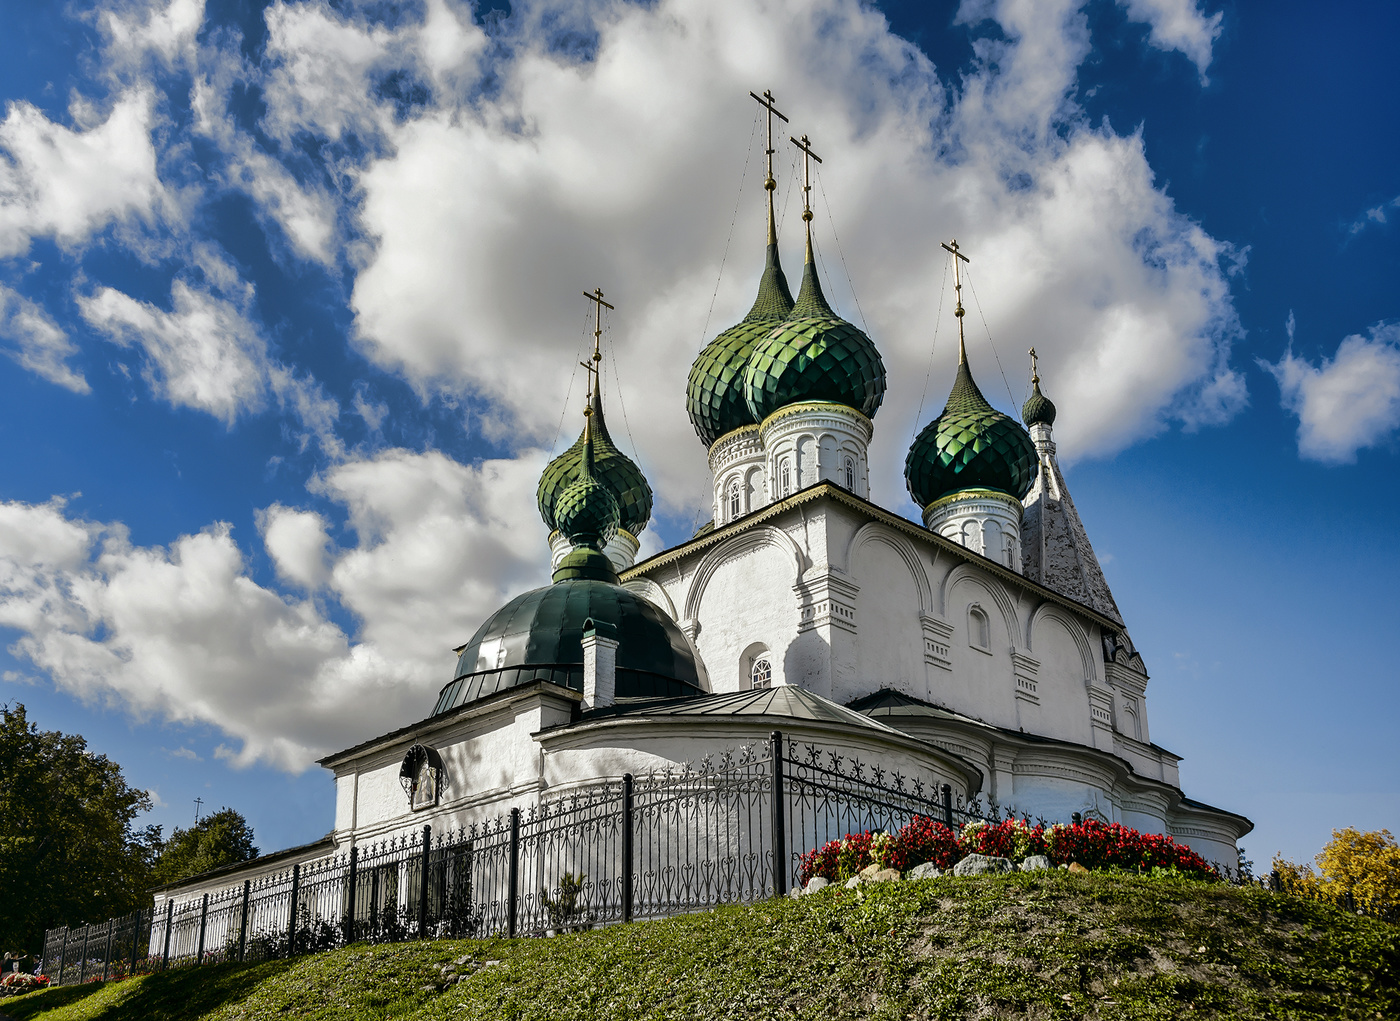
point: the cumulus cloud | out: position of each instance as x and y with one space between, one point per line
184 631
63 183
1376 216
136 31
38 343
1179 25
1346 402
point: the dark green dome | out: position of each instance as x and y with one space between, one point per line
1038 409
539 635
611 467
970 446
814 356
715 391
587 513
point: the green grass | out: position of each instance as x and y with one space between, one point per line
1047 945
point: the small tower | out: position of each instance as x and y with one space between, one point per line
814 384
969 468
611 468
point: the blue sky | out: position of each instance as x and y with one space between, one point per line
289 296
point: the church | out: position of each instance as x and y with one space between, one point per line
979 647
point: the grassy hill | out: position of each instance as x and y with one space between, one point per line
1043 945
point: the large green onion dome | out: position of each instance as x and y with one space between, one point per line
538 636
1038 409
611 468
814 356
715 391
970 446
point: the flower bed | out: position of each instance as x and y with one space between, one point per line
13 983
1093 844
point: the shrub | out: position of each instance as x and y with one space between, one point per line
1098 845
1356 868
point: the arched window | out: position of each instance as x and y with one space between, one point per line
734 502
851 474
784 477
979 631
761 674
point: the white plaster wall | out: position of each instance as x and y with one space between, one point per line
889 645
981 683
748 598
1064 703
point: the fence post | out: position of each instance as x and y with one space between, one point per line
82 969
423 884
243 922
627 865
203 920
62 954
1077 819
169 918
780 872
107 958
353 880
136 940
292 911
513 898
947 793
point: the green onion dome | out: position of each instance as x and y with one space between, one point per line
1038 409
970 446
611 467
587 513
715 390
814 356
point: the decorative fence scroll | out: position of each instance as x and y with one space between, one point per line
726 830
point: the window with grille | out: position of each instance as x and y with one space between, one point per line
761 675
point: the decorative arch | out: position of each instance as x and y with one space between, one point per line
874 531
1049 611
764 535
652 593
969 573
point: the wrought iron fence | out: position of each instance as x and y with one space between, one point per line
728 829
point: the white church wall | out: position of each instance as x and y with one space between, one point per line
890 650
1062 709
981 681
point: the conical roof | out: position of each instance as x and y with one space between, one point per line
970 445
715 390
611 468
814 355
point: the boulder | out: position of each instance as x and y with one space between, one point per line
869 870
1036 863
981 864
928 870
884 876
1074 866
816 883
852 883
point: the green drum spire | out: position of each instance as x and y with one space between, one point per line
1038 409
611 468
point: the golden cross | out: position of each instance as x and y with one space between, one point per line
596 296
766 101
1035 371
957 287
807 156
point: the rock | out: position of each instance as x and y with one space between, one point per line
852 883
869 870
1074 866
928 870
1036 863
463 960
816 883
884 876
980 865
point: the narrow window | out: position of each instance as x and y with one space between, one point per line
785 478
978 630
734 504
761 675
851 474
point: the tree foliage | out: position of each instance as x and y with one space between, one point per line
69 852
222 838
1356 866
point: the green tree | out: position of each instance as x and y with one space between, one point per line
222 838
69 852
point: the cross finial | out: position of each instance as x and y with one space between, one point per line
954 248
770 183
197 803
807 156
592 364
1035 370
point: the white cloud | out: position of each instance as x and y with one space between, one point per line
1376 216
141 29
184 632
40 344
202 354
1346 402
66 184
1179 25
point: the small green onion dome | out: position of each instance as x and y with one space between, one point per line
814 356
587 513
611 467
1038 409
715 390
970 446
